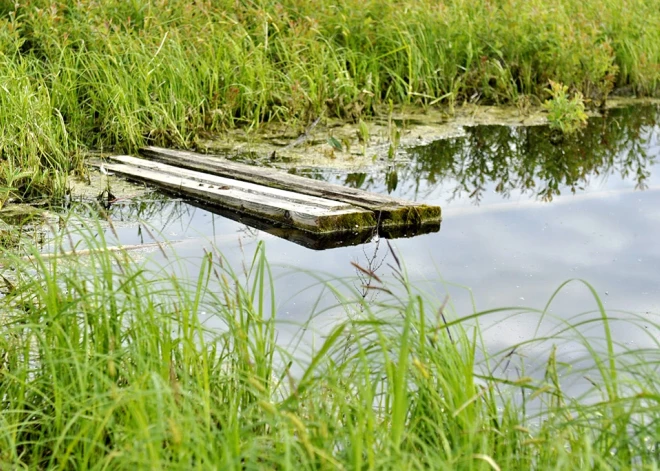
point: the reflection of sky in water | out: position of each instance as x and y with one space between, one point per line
512 251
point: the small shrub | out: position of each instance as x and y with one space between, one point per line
565 113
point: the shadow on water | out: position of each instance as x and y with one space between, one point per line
319 241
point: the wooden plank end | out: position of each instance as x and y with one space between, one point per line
413 215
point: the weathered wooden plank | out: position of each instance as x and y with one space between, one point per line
215 180
316 241
389 211
310 240
284 207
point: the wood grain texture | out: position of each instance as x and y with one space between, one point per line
301 211
240 185
389 211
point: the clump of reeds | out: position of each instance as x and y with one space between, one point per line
107 363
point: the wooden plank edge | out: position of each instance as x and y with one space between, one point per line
412 216
239 185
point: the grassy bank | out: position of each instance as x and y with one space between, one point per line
115 74
106 365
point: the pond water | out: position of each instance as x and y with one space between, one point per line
523 211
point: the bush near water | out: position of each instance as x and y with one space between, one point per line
115 74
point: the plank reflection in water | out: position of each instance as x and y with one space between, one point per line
163 215
319 241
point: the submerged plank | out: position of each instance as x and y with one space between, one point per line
86 252
301 211
389 211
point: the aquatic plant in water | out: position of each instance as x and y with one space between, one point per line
566 113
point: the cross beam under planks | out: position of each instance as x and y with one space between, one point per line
310 213
390 212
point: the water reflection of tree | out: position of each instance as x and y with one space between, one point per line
529 159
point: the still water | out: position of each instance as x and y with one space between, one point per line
523 211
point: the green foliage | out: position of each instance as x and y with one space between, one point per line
108 364
117 75
565 113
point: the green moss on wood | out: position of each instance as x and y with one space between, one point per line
347 222
414 215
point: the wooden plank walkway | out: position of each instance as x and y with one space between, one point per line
389 211
310 213
314 206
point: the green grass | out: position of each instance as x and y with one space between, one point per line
117 75
107 364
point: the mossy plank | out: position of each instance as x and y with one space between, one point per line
311 240
300 211
389 211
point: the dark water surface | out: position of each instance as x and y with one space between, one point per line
523 211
